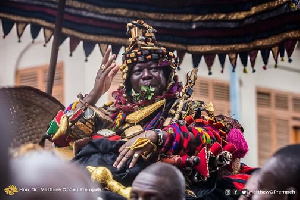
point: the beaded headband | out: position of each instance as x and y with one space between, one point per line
143 47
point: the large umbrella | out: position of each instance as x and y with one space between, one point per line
204 28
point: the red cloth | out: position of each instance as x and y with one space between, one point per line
111 138
239 180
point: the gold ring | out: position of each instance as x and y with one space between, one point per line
136 155
102 67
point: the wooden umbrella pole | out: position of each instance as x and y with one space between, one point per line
55 44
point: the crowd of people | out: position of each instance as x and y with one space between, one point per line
45 174
153 141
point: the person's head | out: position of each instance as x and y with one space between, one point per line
41 171
159 181
281 173
149 74
146 62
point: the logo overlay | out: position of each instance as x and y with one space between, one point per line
11 190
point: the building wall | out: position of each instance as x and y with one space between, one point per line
79 76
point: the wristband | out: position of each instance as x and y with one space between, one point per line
160 135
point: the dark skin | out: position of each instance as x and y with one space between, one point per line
148 74
143 74
147 187
159 181
103 79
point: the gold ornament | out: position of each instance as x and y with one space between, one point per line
186 94
62 128
210 109
102 67
133 131
141 142
104 176
142 44
139 115
82 130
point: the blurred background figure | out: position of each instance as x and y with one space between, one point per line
40 174
159 181
5 141
281 173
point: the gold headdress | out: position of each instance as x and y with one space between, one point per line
143 47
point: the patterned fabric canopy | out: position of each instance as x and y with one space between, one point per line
204 28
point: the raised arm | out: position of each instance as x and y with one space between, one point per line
105 75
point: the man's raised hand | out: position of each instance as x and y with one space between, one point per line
103 80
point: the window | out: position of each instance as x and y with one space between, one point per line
278 115
215 91
37 77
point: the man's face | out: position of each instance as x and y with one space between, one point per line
148 74
148 187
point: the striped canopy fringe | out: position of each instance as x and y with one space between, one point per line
201 28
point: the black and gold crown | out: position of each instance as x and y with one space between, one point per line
143 47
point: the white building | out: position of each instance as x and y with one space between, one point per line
269 100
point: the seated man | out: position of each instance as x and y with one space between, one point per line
280 177
159 181
152 119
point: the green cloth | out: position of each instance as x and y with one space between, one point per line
53 127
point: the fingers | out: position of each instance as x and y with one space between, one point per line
134 159
110 61
114 71
107 70
106 56
107 61
128 155
120 157
124 156
122 148
104 79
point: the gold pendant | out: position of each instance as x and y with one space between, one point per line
139 115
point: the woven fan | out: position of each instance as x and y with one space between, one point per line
29 112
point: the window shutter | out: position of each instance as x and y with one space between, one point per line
201 90
281 109
281 101
29 78
219 110
263 99
264 139
217 92
58 85
282 132
296 104
221 91
58 77
38 77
